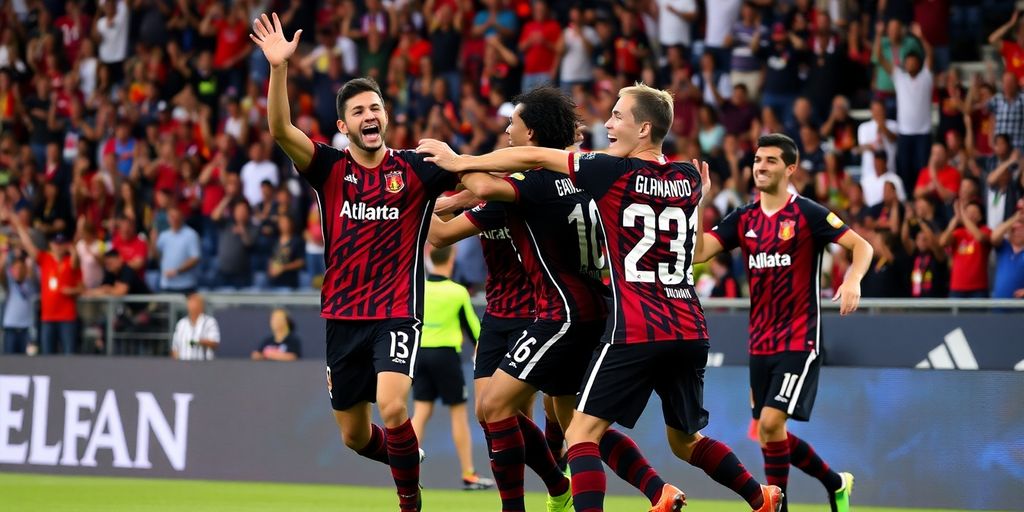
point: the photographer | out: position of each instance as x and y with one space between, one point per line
197 335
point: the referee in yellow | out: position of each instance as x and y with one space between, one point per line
447 315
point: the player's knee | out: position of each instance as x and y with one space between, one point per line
355 441
494 409
682 444
771 425
393 412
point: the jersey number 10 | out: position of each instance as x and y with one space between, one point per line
668 273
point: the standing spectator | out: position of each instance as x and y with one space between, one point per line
674 19
971 243
886 212
826 59
713 83
1008 107
874 135
90 250
895 46
1003 186
1008 239
1012 51
22 288
631 49
122 146
890 266
178 249
933 17
938 180
53 215
232 47
258 169
282 344
839 128
538 42
287 256
130 245
721 14
576 49
112 31
913 85
738 113
929 276
874 184
445 29
74 26
237 236
745 41
782 72
197 335
314 236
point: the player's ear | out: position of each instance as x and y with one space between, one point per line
529 134
342 127
790 169
645 129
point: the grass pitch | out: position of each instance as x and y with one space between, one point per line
45 493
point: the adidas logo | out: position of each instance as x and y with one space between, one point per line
750 234
954 354
351 178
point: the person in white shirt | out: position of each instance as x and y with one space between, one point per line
258 169
576 49
197 335
674 18
873 184
875 134
721 14
112 31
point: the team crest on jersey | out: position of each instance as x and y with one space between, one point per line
393 182
787 229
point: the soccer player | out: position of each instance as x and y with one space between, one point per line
375 207
658 339
542 118
782 236
447 315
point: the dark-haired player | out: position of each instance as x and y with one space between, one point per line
375 207
658 339
782 236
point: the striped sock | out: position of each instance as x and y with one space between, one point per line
776 465
539 459
376 449
554 437
803 456
404 458
718 461
624 457
588 479
508 455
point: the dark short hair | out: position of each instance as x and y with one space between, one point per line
551 114
354 87
441 255
777 140
881 154
1005 137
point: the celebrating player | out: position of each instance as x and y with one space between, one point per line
783 236
658 339
375 205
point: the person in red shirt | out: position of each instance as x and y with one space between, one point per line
132 247
232 45
969 239
538 43
74 26
939 179
60 282
1012 51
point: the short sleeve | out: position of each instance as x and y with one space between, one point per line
319 168
436 179
826 227
596 172
727 231
211 331
488 216
532 187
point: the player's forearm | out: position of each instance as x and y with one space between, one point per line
517 159
485 186
862 254
293 141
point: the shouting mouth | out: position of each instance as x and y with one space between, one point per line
371 134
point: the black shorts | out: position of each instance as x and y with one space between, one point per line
497 337
553 356
621 377
787 381
439 375
357 350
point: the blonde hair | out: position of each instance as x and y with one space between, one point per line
651 106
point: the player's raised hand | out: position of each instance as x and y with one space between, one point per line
269 36
440 153
849 296
705 178
448 205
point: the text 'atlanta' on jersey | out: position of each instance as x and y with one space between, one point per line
375 224
783 252
648 211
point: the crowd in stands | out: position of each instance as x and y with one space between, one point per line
133 133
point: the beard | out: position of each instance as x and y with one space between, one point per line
356 139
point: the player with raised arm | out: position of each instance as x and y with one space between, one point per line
540 119
783 236
658 338
375 206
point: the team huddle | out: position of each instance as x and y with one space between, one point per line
553 221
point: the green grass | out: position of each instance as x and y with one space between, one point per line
44 493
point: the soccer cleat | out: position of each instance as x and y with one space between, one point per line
475 482
842 496
672 499
423 455
772 495
561 503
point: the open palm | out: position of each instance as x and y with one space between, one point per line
270 38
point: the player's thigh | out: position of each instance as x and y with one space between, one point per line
680 385
506 396
787 382
449 379
553 356
425 386
497 338
396 345
619 382
350 374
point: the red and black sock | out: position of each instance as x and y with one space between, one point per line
803 456
624 457
588 479
487 437
554 437
539 458
508 455
377 448
718 461
776 465
404 458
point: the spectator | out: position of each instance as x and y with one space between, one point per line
287 257
713 84
232 46
933 18
895 46
826 59
258 169
90 250
951 99
886 213
1012 51
197 335
938 180
913 86
890 267
112 31
538 43
1008 107
929 277
1008 239
830 185
236 238
314 236
881 177
674 19
711 132
720 16
839 128
130 245
745 41
738 113
1003 182
282 344
812 154
178 249
726 285
577 46
22 288
971 243
122 146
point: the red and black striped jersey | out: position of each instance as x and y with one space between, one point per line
552 228
783 252
648 211
375 225
509 291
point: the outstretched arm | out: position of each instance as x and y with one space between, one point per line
998 33
488 187
518 158
269 36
